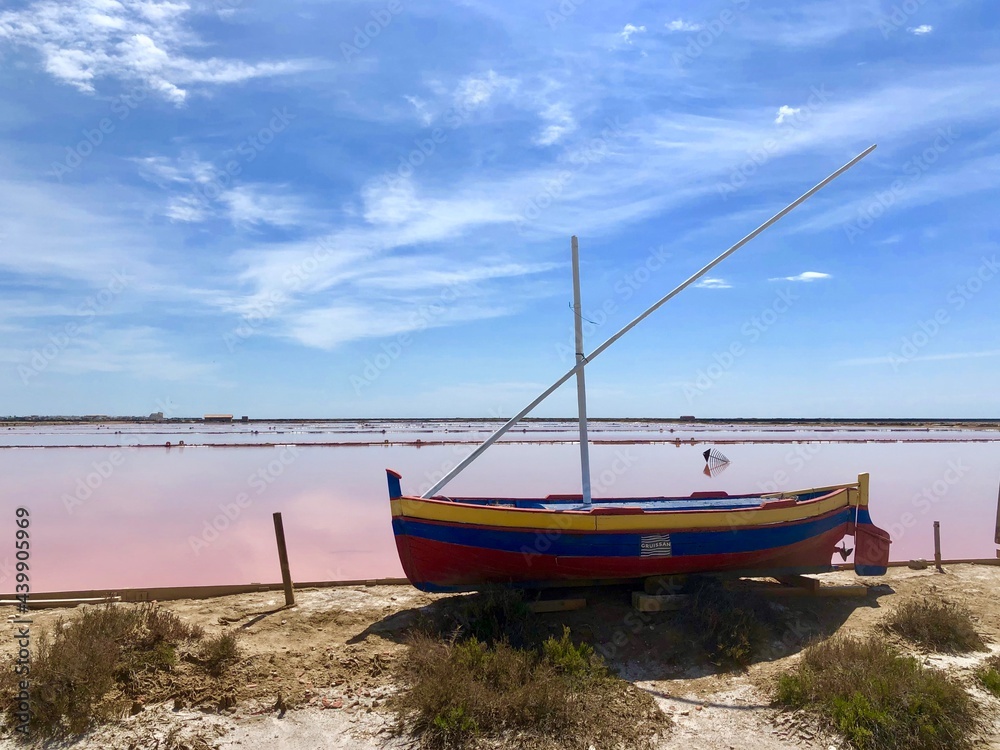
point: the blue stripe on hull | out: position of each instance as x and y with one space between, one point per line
627 544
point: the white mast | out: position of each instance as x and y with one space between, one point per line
579 365
581 385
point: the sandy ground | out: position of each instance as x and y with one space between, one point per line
316 676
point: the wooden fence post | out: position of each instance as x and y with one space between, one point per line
937 546
286 576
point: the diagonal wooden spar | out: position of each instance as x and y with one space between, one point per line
649 311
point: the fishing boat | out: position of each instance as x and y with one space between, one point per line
466 543
462 543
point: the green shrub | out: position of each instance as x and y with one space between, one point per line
571 659
491 616
462 691
877 698
87 670
937 625
988 675
220 652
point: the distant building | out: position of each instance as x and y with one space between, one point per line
218 418
244 419
687 418
156 416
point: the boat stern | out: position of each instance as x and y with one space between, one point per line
399 531
871 543
395 488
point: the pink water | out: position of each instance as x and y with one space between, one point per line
117 516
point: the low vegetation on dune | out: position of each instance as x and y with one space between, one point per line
935 625
878 698
988 675
731 627
94 667
219 652
475 685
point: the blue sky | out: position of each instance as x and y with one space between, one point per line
364 209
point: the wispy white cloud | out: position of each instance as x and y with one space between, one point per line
631 30
426 118
134 40
197 194
681 25
921 30
138 351
785 111
425 272
806 276
390 202
897 360
473 92
806 23
714 283
259 203
559 121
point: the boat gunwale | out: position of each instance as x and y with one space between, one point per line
583 512
585 532
507 518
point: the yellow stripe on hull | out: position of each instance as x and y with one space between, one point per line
585 520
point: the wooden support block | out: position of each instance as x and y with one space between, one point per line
642 602
662 585
803 582
556 605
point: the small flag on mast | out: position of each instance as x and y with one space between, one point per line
715 462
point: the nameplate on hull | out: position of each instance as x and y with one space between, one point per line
655 545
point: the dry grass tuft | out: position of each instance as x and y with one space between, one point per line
460 692
730 626
88 669
220 652
493 615
879 699
936 625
